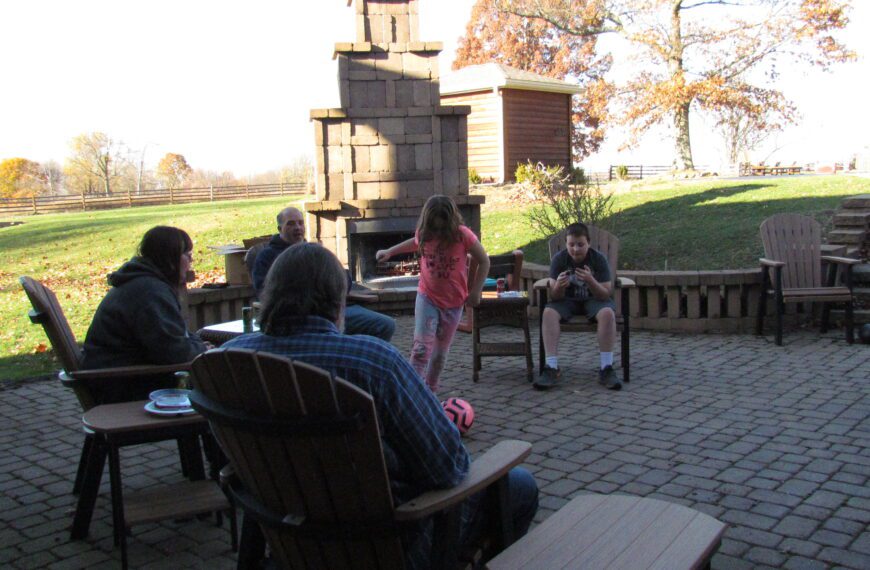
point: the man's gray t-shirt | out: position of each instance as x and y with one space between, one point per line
579 290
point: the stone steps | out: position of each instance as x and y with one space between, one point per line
847 237
847 219
852 226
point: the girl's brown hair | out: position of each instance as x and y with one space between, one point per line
439 221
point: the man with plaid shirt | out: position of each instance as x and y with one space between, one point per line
302 307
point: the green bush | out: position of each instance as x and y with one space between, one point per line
622 172
578 175
561 203
474 177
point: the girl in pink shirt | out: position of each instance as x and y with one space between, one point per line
444 244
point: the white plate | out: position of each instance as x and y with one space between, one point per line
153 409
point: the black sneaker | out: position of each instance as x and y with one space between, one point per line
607 377
547 379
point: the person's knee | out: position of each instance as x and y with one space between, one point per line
606 316
551 317
385 327
523 491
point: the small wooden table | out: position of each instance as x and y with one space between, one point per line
223 332
127 423
512 311
617 532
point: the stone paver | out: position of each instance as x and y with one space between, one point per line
772 440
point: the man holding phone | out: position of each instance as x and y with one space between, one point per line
580 284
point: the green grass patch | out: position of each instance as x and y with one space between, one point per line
73 253
675 225
689 225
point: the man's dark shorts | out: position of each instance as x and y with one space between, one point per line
568 308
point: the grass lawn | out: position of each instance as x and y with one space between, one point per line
674 225
683 225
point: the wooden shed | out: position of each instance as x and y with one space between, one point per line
515 116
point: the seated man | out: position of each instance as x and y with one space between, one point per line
291 230
302 307
580 284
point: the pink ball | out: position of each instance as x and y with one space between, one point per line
459 412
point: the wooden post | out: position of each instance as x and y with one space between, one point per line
247 192
171 197
129 198
84 206
610 173
211 192
282 188
33 202
641 172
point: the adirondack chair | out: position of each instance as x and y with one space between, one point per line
507 311
86 383
792 271
608 244
309 466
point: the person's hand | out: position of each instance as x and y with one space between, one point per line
474 299
563 279
584 274
382 255
208 345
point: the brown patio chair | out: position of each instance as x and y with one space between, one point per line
86 384
792 271
493 311
310 470
608 244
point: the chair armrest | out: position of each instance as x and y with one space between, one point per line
487 469
128 371
542 283
624 283
361 297
771 262
840 260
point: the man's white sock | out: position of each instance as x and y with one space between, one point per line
553 361
606 359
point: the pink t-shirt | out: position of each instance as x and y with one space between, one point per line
444 270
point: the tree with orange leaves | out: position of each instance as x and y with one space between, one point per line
534 45
701 54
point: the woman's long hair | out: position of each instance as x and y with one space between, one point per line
439 221
163 246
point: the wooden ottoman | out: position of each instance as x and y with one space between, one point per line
617 532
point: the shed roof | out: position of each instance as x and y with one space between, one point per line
491 75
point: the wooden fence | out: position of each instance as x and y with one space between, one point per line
637 172
82 202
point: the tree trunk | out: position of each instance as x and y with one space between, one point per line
683 144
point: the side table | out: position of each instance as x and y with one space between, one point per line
509 311
127 423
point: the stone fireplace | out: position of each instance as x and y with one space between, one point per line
389 147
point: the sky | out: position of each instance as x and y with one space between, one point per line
230 84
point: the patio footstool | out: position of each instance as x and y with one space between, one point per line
617 532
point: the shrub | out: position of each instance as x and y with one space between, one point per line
578 175
561 203
622 172
474 177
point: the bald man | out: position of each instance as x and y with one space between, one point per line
291 230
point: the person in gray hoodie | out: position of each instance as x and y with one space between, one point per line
140 321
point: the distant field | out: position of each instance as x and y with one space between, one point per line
674 225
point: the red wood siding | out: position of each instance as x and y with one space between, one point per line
484 144
537 127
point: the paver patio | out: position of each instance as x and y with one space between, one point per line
773 441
